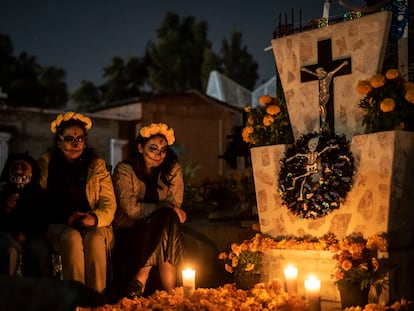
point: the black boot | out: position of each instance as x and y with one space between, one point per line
134 289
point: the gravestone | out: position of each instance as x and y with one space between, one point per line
383 189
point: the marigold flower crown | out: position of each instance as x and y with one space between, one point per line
158 129
68 116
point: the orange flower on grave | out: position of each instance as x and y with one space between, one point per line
408 86
273 110
249 267
268 120
387 105
409 96
392 74
377 80
363 87
267 123
265 100
228 268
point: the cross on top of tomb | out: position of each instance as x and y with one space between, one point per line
325 71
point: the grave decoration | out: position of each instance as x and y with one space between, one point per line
267 123
316 174
388 103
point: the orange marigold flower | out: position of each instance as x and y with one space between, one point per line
409 96
363 87
256 227
228 268
387 105
246 133
408 86
265 99
235 248
268 120
273 110
247 109
249 267
222 255
377 80
346 265
234 261
338 275
250 120
392 74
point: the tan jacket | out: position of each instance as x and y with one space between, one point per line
99 189
130 192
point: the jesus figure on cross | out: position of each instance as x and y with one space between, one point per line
325 79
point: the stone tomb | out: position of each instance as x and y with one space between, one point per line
383 190
379 201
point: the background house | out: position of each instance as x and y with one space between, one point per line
201 123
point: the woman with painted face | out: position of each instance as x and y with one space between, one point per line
81 202
149 189
22 223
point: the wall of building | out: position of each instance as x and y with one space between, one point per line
29 130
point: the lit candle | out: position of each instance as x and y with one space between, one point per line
313 288
188 282
291 274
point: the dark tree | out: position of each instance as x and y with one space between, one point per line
236 62
27 83
177 56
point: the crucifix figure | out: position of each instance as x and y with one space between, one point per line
325 79
324 71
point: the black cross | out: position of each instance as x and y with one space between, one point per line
328 64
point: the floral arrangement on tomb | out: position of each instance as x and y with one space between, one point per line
358 262
269 297
268 123
243 259
316 174
263 296
388 103
246 257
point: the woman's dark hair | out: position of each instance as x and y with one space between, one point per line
136 160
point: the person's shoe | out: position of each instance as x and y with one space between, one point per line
134 289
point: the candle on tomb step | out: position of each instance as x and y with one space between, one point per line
188 282
312 289
291 275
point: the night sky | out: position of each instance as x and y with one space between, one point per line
83 36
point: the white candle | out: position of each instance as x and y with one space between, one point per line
313 288
291 274
188 282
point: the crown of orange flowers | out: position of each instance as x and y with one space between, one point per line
158 129
68 116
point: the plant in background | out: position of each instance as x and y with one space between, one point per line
268 123
388 103
357 261
191 190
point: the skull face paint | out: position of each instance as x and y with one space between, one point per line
154 151
20 173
